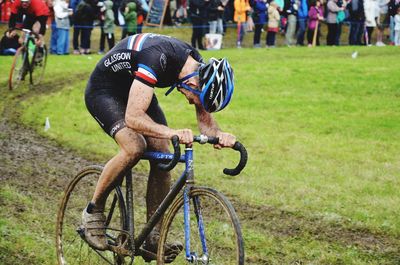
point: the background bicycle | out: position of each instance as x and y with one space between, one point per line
29 59
201 218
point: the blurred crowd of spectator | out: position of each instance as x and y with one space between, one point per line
299 21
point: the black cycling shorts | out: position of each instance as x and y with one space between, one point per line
108 106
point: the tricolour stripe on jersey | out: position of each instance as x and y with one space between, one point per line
135 42
139 41
146 73
131 41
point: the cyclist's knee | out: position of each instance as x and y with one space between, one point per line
132 144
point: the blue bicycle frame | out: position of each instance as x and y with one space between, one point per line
186 178
185 181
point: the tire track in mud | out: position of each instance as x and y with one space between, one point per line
285 224
20 145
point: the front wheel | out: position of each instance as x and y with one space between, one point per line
18 69
71 248
215 234
38 65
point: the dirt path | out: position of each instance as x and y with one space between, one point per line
26 155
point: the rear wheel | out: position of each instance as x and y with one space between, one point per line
222 242
71 248
18 70
38 65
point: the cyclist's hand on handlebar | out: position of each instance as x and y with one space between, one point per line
39 40
185 136
225 140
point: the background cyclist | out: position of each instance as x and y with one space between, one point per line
30 11
120 96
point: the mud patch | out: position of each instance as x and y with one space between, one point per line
284 224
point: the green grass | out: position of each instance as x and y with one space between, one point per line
25 229
322 131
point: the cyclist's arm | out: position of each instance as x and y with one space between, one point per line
209 126
12 21
136 118
206 122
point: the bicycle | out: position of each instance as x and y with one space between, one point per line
28 59
217 238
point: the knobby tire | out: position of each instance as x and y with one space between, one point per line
221 224
71 248
16 68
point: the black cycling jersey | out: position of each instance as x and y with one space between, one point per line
155 60
152 59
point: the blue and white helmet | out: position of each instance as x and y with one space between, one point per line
216 84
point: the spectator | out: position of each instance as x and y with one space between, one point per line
180 14
220 21
302 16
61 15
198 16
260 18
102 13
331 20
121 16
83 24
214 20
109 25
393 6
9 43
240 17
340 17
282 19
53 38
290 11
383 21
371 11
397 28
131 18
315 16
142 8
280 4
273 23
228 12
357 19
73 4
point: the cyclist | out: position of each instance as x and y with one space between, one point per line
34 11
120 96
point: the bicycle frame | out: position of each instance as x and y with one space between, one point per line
187 178
184 183
28 38
28 53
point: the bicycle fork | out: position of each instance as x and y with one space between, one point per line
193 257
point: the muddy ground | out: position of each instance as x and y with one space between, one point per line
37 165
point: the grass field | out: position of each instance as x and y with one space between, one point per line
322 131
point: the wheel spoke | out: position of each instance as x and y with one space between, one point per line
71 247
221 226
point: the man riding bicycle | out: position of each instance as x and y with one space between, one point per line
120 96
34 11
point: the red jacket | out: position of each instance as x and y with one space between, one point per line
36 8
